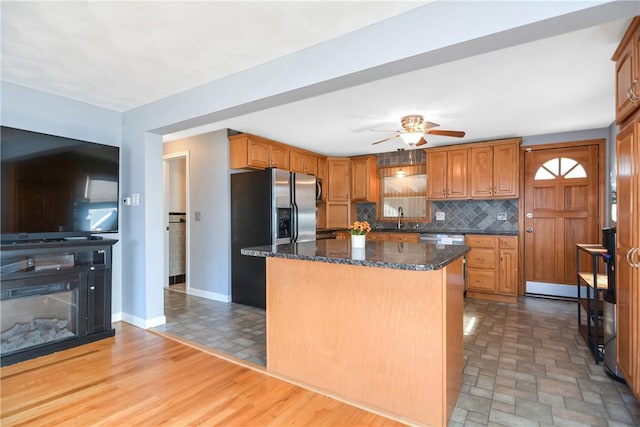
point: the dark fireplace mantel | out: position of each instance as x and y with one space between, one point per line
53 296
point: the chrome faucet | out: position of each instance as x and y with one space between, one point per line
400 215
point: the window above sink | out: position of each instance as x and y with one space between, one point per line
403 187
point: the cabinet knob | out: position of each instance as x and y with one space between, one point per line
92 288
529 230
92 268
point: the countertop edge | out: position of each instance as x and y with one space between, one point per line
256 252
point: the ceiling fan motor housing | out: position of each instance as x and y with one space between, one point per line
413 123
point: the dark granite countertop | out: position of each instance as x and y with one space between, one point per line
422 231
398 256
485 232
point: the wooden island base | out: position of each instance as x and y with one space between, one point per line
390 340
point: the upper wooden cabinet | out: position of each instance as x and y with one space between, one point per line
321 167
627 58
303 162
250 151
339 180
494 170
447 173
364 179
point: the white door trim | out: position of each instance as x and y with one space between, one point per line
166 158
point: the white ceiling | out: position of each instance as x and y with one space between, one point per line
120 55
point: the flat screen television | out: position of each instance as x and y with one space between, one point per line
55 188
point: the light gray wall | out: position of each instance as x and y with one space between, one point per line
209 241
37 111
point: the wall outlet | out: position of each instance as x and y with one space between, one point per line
197 216
502 216
439 216
135 199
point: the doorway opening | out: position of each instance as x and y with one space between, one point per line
562 206
176 214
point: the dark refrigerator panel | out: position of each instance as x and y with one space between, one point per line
267 208
251 217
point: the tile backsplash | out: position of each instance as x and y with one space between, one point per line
469 215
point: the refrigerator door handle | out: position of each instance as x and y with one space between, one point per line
294 209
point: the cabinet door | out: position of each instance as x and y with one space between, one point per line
337 215
625 76
626 239
505 171
436 175
359 178
279 157
339 179
481 172
321 170
297 162
508 271
457 179
311 165
98 301
259 154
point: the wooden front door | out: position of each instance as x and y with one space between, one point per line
561 202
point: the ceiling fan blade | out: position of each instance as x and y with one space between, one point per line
421 142
386 139
429 125
454 133
386 130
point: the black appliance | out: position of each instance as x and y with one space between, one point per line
609 306
55 187
268 207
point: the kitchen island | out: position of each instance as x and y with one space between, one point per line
379 327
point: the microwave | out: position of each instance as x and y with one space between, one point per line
318 190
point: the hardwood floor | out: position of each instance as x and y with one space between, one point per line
139 378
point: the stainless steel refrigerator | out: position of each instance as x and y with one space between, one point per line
268 207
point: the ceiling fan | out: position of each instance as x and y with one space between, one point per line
415 128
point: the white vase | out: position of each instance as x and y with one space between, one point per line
358 240
358 253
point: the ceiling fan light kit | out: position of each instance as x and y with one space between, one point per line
411 137
415 128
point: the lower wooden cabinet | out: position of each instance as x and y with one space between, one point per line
492 267
394 237
385 237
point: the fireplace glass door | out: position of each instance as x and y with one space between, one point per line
38 311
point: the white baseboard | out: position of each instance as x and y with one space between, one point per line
555 289
116 317
144 323
209 295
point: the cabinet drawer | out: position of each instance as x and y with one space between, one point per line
403 237
377 236
481 280
507 242
477 241
482 258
